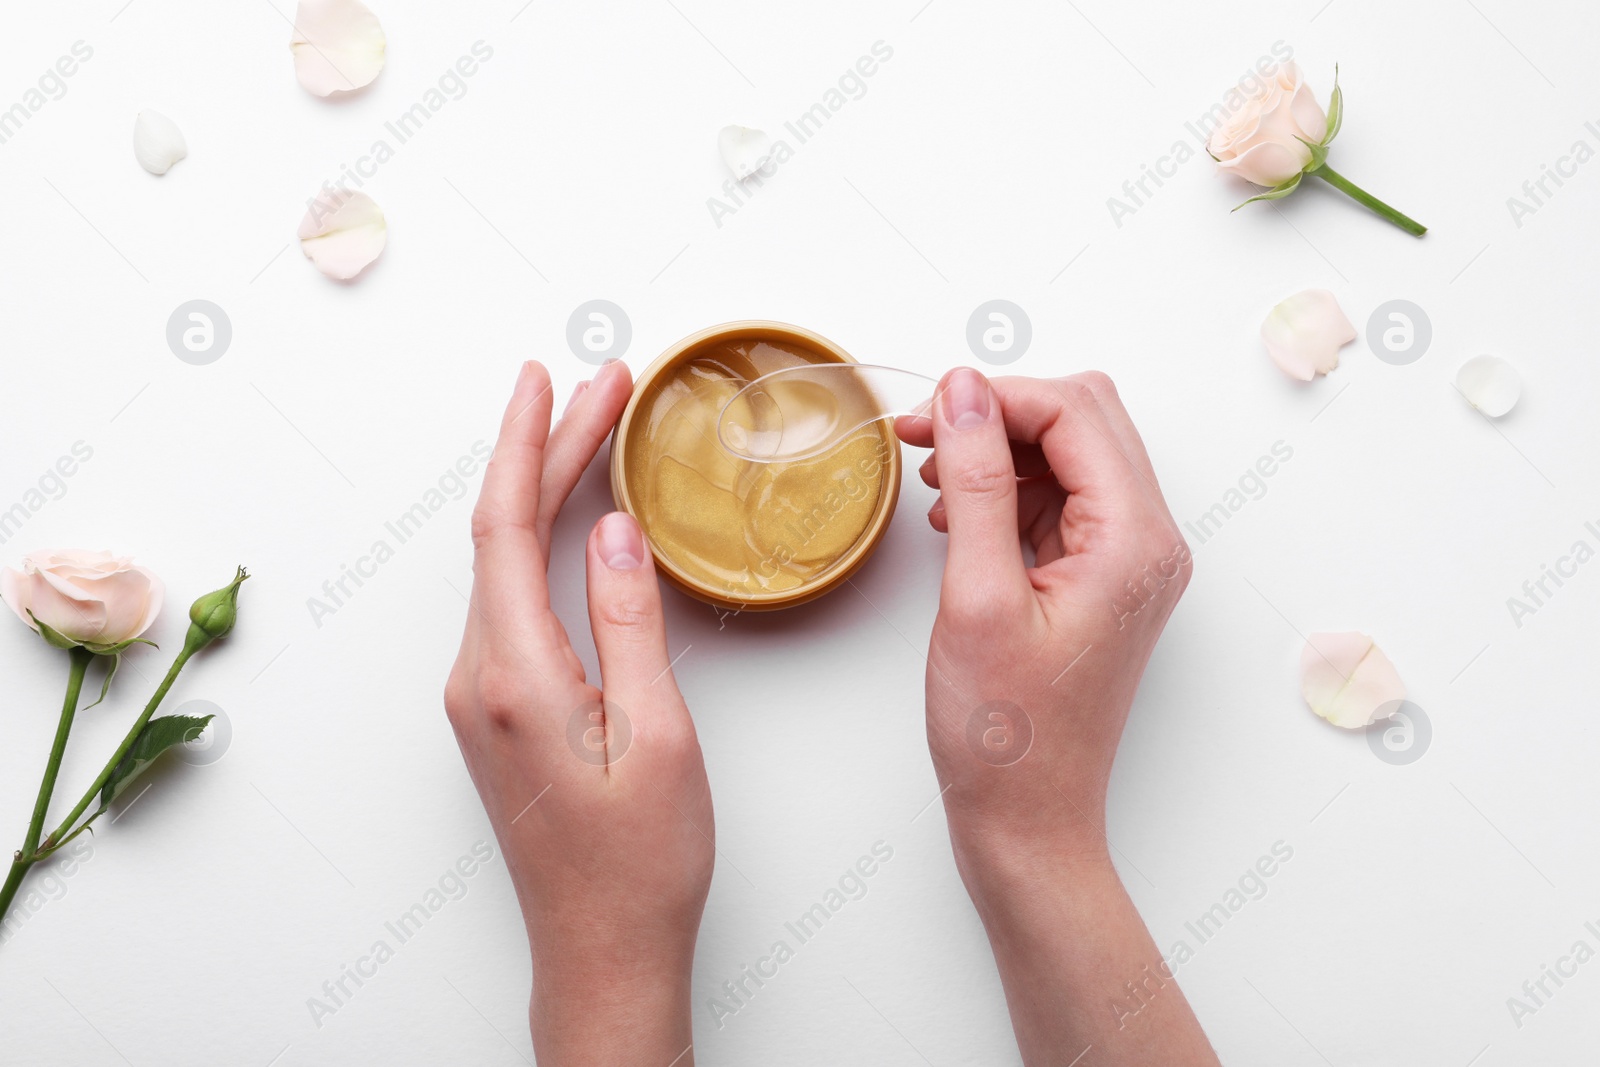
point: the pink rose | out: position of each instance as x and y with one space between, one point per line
1260 139
93 599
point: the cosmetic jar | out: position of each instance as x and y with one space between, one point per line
736 533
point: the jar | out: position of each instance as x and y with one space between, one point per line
735 533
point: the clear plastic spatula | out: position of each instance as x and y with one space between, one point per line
800 412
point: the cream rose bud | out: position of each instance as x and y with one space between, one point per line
1260 140
93 599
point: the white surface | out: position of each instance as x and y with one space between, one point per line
1419 898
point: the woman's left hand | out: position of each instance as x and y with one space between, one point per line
599 799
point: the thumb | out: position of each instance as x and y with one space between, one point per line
984 571
625 614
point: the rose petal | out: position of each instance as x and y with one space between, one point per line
1309 117
126 598
72 585
343 232
157 142
1347 679
338 46
746 151
14 591
1234 136
87 608
1490 384
1269 163
1304 333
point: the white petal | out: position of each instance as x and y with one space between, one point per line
1304 333
338 46
157 142
1348 680
1490 384
746 151
342 233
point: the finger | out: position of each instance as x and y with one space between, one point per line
1039 503
1064 418
1133 446
508 568
625 614
1122 426
1139 493
914 430
1028 460
1081 440
577 391
978 485
578 437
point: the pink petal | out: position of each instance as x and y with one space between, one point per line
76 561
1234 134
14 591
1269 163
155 599
1309 117
126 597
1304 333
65 608
1347 679
338 46
343 232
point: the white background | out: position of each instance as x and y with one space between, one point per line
978 165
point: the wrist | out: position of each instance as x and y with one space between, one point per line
585 1012
1078 967
1006 870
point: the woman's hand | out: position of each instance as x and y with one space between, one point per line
1031 674
599 799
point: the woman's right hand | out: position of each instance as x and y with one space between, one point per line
1031 673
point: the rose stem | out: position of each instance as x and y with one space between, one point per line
1361 196
26 857
190 647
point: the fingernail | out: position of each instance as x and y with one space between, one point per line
621 543
966 399
573 399
936 512
524 377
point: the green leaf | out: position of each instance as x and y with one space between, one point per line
1335 109
112 650
111 672
157 736
54 639
1278 192
114 654
1319 154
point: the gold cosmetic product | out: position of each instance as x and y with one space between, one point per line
737 532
